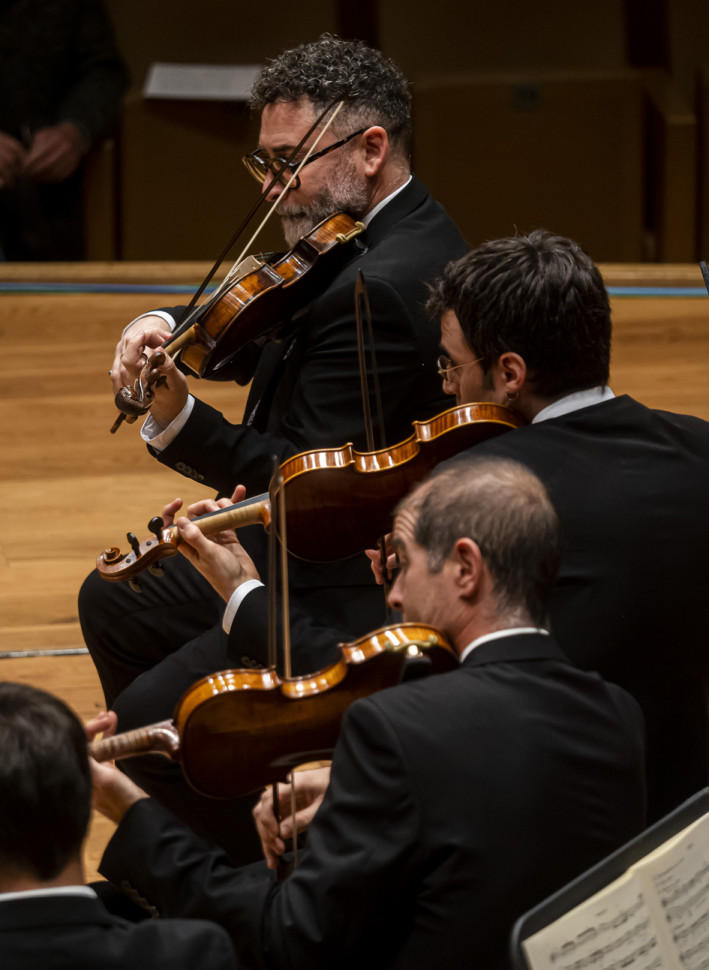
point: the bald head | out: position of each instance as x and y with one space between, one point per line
506 511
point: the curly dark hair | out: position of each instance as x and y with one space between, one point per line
330 69
540 296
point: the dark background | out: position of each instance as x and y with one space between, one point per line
587 118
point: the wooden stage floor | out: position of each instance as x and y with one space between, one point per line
68 488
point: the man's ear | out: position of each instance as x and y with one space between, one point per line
468 566
511 372
376 148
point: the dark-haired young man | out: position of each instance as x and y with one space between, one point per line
525 321
48 917
306 390
455 802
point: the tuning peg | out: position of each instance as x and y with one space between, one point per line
134 544
156 526
136 587
156 570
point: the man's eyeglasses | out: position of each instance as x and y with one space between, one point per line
261 166
445 366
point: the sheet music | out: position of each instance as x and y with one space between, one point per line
613 932
655 916
682 888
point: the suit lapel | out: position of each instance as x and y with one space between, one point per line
264 382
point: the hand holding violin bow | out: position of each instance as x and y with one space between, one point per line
303 792
143 377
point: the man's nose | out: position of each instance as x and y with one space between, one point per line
272 188
394 597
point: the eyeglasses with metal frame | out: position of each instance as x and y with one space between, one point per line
261 166
444 366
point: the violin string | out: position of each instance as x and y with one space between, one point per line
294 833
285 608
272 570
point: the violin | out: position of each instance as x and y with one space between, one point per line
252 305
338 501
237 731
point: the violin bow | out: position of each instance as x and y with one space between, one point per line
363 315
278 524
185 322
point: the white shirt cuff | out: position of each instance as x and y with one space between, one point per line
235 601
169 320
159 438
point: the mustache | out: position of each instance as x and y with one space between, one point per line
293 211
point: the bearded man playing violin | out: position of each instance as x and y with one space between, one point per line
455 802
305 392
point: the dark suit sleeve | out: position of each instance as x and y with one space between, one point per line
182 943
356 866
318 401
313 646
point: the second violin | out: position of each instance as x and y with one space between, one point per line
338 501
239 730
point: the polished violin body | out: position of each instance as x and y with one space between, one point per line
238 730
258 302
338 501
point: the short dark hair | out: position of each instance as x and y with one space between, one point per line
330 69
507 511
540 296
45 782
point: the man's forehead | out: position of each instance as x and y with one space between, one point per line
283 123
404 527
451 329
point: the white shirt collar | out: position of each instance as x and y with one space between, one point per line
498 635
49 891
574 402
380 205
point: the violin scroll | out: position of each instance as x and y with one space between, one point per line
115 566
134 401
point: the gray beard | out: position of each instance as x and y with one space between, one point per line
345 193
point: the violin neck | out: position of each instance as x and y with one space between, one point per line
178 343
252 511
160 738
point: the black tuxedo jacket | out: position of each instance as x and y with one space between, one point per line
631 485
77 932
456 802
306 390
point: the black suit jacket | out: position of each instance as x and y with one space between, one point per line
77 932
631 485
456 802
306 389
